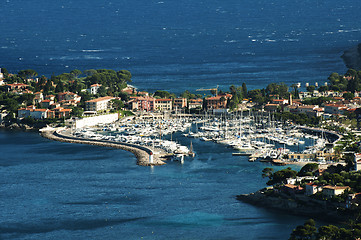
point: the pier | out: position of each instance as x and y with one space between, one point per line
145 156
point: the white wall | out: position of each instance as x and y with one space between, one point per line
92 121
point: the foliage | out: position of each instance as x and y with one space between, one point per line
329 232
279 89
308 168
306 231
279 177
316 101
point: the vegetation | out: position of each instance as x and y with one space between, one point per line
279 177
329 232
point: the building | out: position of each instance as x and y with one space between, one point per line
180 103
335 108
163 104
94 88
67 96
16 86
357 161
331 191
59 112
99 104
46 103
142 103
195 103
1 74
217 102
311 189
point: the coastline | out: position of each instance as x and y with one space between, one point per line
297 205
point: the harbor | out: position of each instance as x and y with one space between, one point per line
256 135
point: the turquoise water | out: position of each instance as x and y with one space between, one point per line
178 45
53 190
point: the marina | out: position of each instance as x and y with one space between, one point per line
255 135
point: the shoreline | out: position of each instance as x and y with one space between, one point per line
298 206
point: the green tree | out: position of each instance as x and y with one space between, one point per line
348 96
309 167
117 104
311 88
28 73
306 231
244 90
75 73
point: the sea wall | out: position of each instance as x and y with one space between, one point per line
92 121
140 152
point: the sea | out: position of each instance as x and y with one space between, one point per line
53 190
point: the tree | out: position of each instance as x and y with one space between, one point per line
311 88
267 172
280 177
4 71
305 232
117 104
28 73
244 90
75 73
90 72
309 167
348 96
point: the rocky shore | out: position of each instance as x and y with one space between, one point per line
297 205
141 155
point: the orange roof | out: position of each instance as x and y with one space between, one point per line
101 99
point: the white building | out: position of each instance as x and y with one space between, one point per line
94 88
99 104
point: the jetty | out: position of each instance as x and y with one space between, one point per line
145 156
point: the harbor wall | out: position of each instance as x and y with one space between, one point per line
140 152
92 121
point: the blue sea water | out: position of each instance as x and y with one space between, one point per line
178 45
53 190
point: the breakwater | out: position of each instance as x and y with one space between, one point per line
140 152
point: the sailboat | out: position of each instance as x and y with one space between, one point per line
191 153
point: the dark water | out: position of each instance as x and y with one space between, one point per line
53 190
178 45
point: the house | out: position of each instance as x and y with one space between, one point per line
68 96
353 200
39 113
311 188
99 104
280 101
271 107
331 191
163 104
1 75
130 90
357 161
217 102
180 103
94 88
16 86
195 103
292 189
46 103
334 108
142 103
59 112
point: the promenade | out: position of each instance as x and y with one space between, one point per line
141 153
